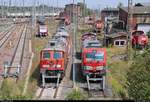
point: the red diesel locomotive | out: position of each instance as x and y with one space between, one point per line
98 26
139 39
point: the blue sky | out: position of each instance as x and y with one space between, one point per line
90 3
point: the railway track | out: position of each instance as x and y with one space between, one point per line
5 35
16 54
4 38
17 57
19 53
50 91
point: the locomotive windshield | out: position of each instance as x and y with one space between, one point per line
95 56
57 55
46 55
138 33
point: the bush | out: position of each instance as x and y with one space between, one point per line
138 79
148 34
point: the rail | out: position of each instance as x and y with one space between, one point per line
6 35
13 69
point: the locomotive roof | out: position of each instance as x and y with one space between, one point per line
91 43
89 33
56 44
64 33
62 28
91 49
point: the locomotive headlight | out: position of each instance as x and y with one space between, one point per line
87 67
143 38
58 66
46 66
99 68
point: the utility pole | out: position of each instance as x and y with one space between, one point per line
129 28
2 8
43 8
70 11
9 8
15 9
53 9
84 11
57 5
23 9
74 47
33 15
99 11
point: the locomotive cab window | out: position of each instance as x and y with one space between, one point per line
46 55
99 56
95 56
89 56
57 55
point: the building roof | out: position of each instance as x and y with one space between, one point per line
115 35
110 9
138 9
71 5
145 4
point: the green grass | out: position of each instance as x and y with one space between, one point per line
76 94
12 93
118 71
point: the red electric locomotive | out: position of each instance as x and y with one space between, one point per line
53 58
139 39
93 60
94 64
89 35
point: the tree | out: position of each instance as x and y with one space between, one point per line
148 34
138 79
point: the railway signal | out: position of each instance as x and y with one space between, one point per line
7 67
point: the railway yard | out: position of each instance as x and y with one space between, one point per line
68 57
16 54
